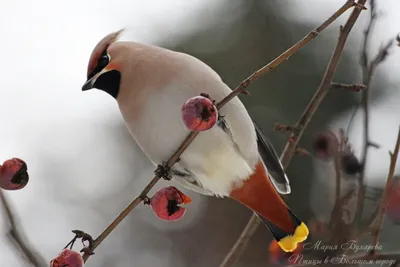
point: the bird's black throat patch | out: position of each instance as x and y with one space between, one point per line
109 82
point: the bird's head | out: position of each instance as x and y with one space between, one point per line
103 70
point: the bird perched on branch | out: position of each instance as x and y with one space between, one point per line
232 159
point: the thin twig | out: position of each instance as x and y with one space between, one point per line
290 147
288 53
120 217
368 69
16 235
239 89
303 152
384 199
323 87
337 207
284 128
338 175
336 211
348 87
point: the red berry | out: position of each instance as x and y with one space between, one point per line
199 113
318 227
165 203
68 258
13 174
393 198
326 145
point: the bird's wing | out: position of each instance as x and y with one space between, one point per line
188 180
272 163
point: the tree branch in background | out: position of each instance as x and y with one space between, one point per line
368 69
238 90
290 147
348 87
371 257
384 199
291 51
339 202
17 237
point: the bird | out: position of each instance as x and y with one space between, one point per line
233 159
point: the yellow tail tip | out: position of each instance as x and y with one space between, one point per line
301 233
289 243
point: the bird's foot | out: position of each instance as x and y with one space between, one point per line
163 171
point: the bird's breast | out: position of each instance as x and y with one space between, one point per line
154 121
156 125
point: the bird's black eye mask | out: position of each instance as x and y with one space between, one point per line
102 62
108 81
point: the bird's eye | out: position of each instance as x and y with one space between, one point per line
103 62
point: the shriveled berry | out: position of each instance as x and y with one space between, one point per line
67 258
165 203
199 113
13 174
350 164
325 145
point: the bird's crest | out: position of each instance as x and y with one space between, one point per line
100 48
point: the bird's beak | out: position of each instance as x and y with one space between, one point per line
90 84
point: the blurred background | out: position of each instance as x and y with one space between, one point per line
85 168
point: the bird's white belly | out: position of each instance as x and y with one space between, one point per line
211 157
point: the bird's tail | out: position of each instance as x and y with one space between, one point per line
258 194
287 240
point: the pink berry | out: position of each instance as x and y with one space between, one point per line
13 174
68 258
318 227
325 145
165 203
199 113
393 206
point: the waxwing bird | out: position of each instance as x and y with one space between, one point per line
232 159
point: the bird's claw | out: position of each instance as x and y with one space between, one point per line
163 171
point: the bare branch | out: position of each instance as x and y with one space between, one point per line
17 237
313 105
238 90
368 69
384 199
285 128
349 87
120 217
303 152
324 86
338 176
288 53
